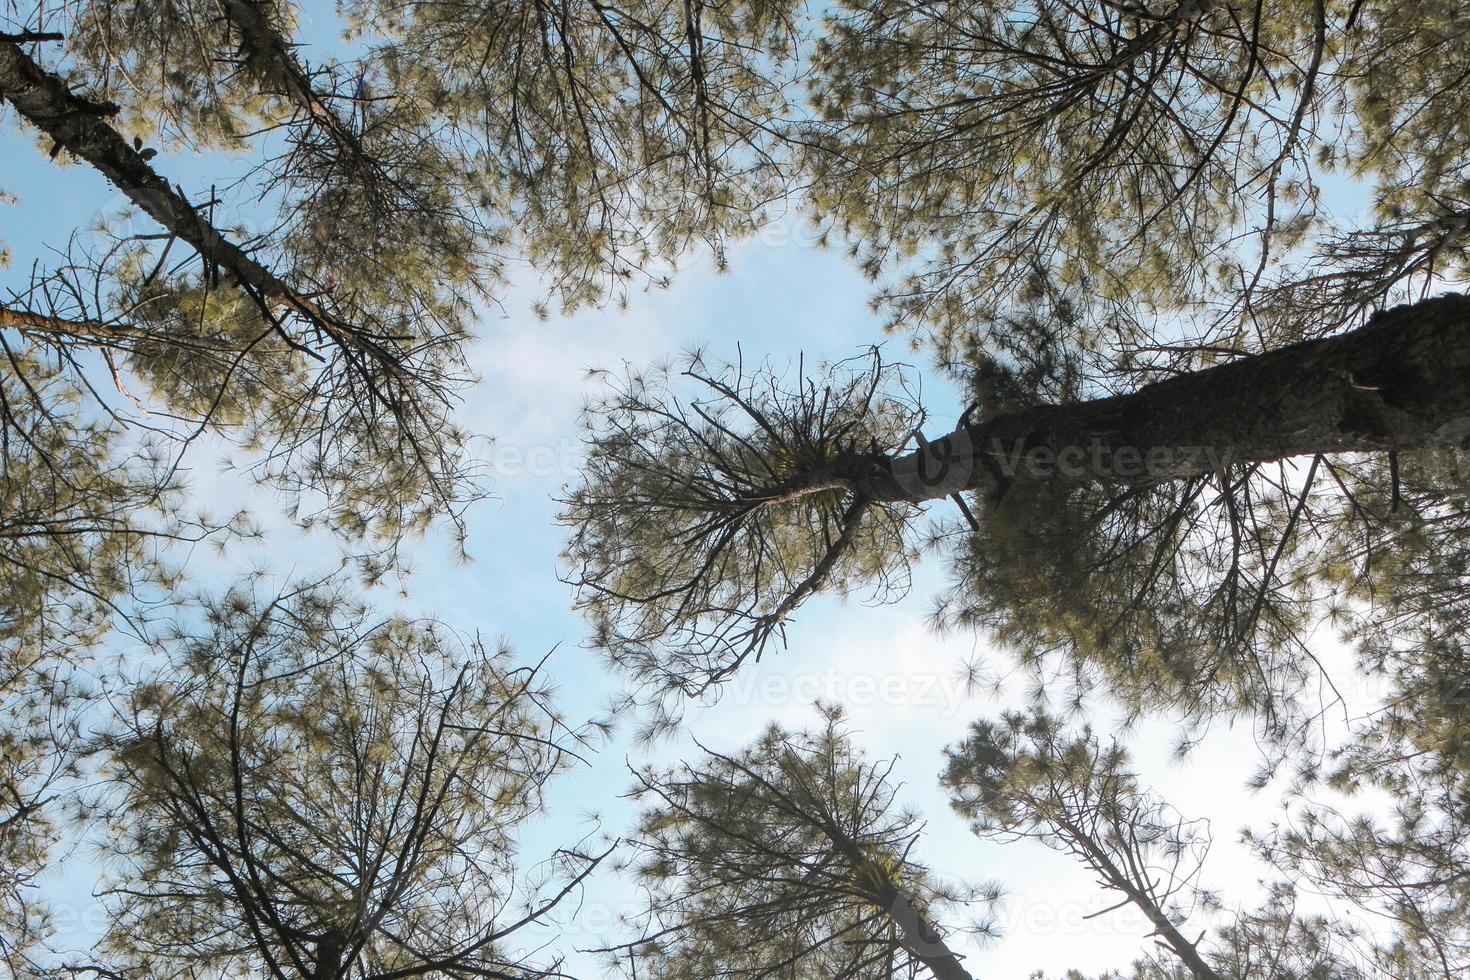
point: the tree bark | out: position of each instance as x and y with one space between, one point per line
328 964
269 56
1400 383
917 934
1169 934
921 939
80 126
86 332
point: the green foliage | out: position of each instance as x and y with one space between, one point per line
72 527
1026 776
209 354
1167 158
304 786
35 760
1182 595
1117 144
784 859
597 143
80 538
703 522
1397 564
613 135
168 64
1064 199
1410 127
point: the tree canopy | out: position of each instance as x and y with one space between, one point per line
309 791
1191 266
791 858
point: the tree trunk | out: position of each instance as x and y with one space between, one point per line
269 56
921 939
1168 933
917 934
1402 382
81 127
328 964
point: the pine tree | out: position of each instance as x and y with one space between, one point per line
315 315
789 858
1158 155
1027 776
1156 539
304 789
1185 373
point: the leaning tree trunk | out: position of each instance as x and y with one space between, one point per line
81 127
269 55
1402 382
919 936
916 934
1164 928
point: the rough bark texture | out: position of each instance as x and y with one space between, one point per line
80 331
922 940
80 126
1402 382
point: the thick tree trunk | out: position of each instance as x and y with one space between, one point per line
81 127
1402 382
922 940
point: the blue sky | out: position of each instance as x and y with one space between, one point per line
780 298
